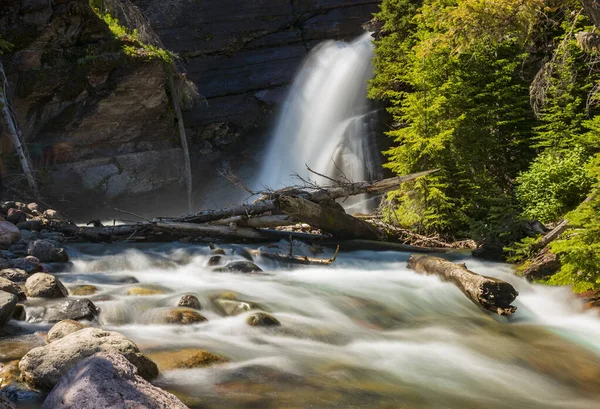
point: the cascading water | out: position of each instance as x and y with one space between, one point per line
325 122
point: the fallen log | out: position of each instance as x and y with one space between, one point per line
210 231
490 293
212 215
291 259
375 245
341 189
267 221
332 221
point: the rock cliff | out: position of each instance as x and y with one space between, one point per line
99 121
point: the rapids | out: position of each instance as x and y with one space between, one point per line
365 332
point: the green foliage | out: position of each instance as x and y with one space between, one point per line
132 45
5 46
555 183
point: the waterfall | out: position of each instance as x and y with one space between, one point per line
325 122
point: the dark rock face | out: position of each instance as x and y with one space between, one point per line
92 116
81 309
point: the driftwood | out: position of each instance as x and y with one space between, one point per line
291 259
258 222
490 293
212 215
337 223
358 244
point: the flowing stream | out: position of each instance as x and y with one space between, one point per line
365 332
326 122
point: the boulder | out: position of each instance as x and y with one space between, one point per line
147 290
19 314
78 309
8 302
33 207
11 287
16 275
4 263
15 216
45 286
189 301
239 267
43 367
9 234
46 252
183 316
28 264
215 260
62 329
107 380
262 319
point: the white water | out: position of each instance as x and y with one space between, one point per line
365 332
325 120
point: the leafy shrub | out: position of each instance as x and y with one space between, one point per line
555 183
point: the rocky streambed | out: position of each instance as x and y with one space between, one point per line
175 325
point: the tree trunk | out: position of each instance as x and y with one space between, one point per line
268 221
212 215
291 259
358 244
211 231
14 136
183 137
337 223
490 293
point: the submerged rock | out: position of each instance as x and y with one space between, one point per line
43 367
9 234
215 260
10 287
80 290
108 380
79 309
62 329
186 359
15 216
16 275
47 252
239 267
45 286
6 404
229 305
8 302
53 214
147 290
189 301
262 319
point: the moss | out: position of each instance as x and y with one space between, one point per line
80 290
143 291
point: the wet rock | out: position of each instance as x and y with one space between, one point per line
183 316
11 287
16 275
219 251
186 359
15 216
107 380
79 309
228 305
80 290
9 373
29 235
62 329
20 394
31 224
9 234
4 263
262 319
33 207
243 252
44 367
189 301
45 286
5 206
28 264
8 302
18 249
147 290
47 252
215 260
239 267
53 215
19 313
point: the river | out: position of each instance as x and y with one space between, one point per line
365 332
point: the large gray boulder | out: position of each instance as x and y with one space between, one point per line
108 381
9 234
45 286
13 288
16 275
79 309
43 367
47 252
8 303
